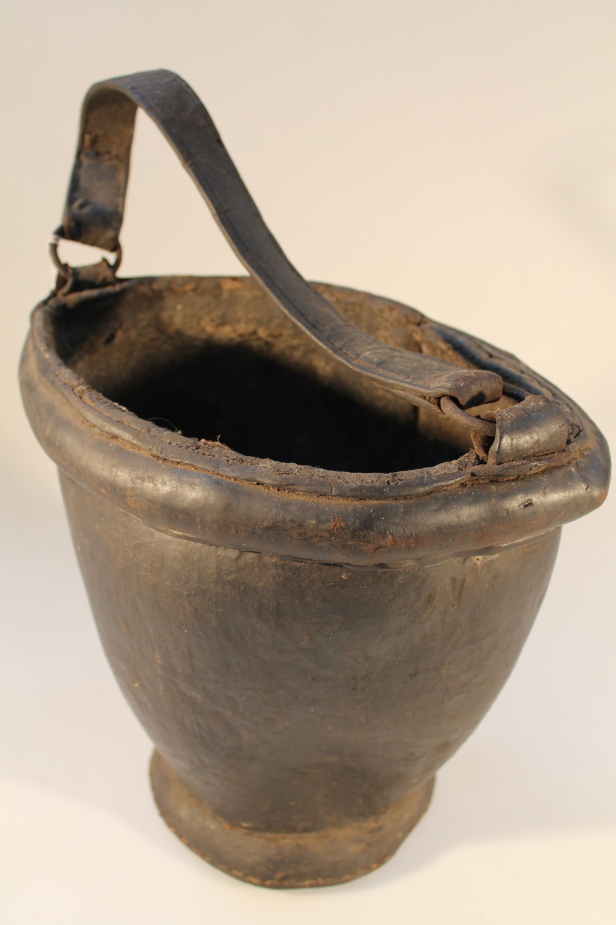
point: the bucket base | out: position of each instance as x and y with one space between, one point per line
284 859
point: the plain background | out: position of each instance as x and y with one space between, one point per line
458 156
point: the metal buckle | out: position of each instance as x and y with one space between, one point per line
64 269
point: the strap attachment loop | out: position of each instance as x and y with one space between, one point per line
66 270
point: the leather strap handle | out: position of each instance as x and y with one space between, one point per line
95 206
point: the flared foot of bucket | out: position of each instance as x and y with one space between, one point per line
284 859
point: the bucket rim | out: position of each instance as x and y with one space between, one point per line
74 422
214 457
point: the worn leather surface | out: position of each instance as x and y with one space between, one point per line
283 860
305 647
214 495
295 695
95 205
534 427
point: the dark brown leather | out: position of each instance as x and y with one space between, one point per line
305 646
95 205
534 427
94 212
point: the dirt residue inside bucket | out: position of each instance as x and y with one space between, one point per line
216 360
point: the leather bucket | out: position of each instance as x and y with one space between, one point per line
315 526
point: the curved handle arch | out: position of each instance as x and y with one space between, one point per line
95 206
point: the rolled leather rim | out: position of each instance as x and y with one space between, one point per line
210 494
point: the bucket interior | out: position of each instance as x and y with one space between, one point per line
216 359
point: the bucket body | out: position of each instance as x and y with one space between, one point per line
305 642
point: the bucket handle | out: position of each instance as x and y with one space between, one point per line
94 211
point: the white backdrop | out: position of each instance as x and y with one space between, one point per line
460 157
